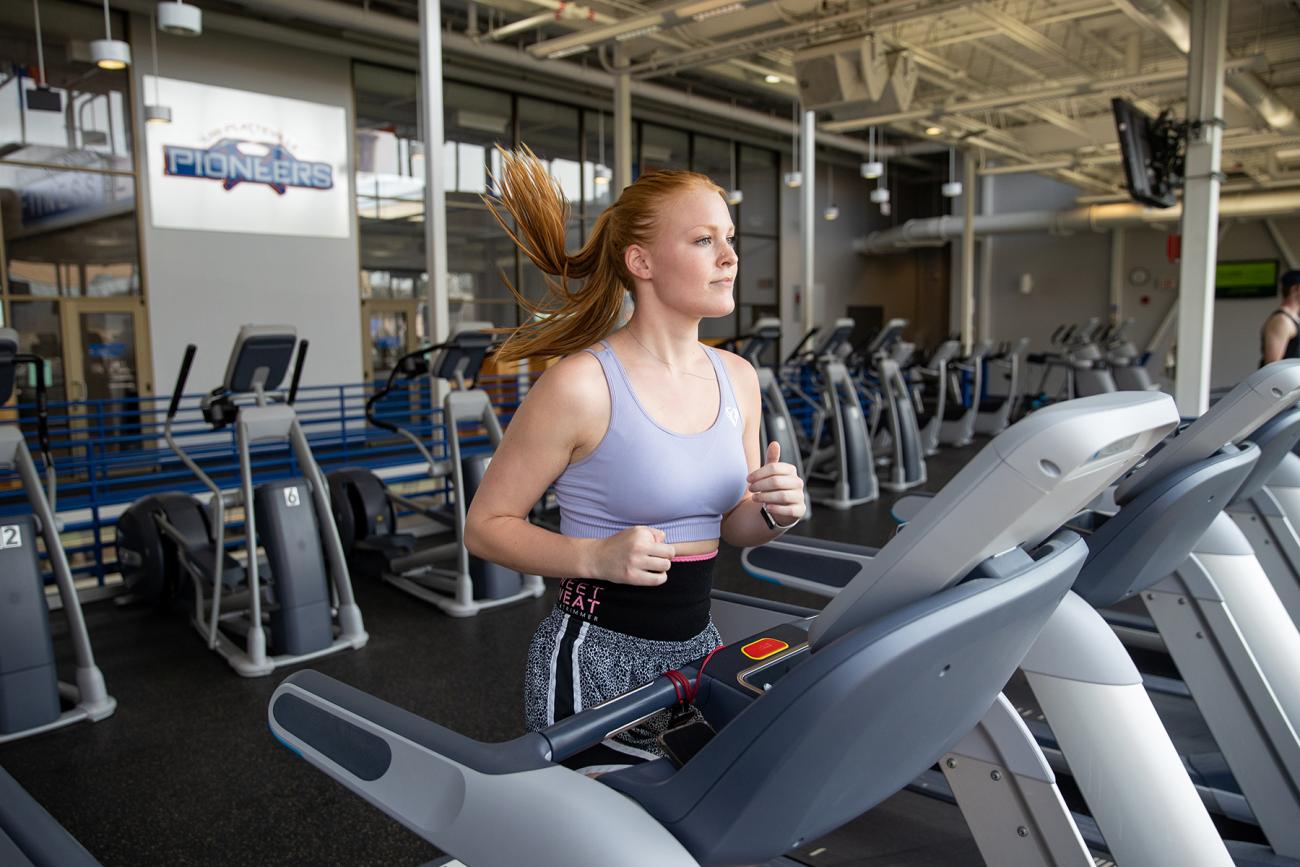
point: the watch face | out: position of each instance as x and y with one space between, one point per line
1139 276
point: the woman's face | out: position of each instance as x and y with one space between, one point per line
692 261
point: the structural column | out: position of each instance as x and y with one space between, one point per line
435 191
1200 206
967 306
622 127
807 213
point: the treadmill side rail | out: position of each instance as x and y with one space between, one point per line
461 809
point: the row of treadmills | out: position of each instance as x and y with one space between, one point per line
976 655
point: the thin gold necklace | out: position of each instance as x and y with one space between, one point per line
632 334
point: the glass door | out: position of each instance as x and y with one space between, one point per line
106 366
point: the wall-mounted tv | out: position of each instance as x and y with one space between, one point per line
1151 153
1250 278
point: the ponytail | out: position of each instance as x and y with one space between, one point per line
571 319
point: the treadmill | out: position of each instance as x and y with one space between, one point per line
804 740
1244 673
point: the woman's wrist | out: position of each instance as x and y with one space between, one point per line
770 520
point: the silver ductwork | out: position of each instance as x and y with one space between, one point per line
1174 21
937 230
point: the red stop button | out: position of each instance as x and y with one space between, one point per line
763 648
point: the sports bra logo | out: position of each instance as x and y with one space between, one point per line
733 416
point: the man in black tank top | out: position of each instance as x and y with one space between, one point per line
1280 337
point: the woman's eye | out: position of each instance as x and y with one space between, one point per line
705 240
732 240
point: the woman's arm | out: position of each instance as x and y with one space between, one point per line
564 415
774 483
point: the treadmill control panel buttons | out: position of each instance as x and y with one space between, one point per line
763 648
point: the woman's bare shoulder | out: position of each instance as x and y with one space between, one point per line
575 384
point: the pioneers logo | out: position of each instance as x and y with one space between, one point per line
233 161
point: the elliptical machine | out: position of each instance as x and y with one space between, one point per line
366 511
31 695
236 604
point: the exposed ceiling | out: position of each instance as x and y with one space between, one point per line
1027 83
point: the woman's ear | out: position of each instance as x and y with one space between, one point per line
637 261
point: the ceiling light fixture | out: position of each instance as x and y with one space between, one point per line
772 78
640 31
952 189
603 174
110 53
717 12
157 113
832 211
872 168
934 130
735 196
180 20
794 179
567 52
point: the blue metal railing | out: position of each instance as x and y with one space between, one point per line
109 453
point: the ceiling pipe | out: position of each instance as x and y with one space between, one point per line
936 230
1171 19
391 27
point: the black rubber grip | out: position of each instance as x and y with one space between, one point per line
181 380
297 371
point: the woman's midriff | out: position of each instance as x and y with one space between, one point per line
703 546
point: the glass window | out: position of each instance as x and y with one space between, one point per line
756 277
39 333
759 212
83 120
664 148
713 158
598 170
389 183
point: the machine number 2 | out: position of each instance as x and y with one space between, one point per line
291 497
11 536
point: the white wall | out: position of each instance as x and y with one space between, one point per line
202 286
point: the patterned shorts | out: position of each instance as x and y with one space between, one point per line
574 665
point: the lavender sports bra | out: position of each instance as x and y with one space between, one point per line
641 473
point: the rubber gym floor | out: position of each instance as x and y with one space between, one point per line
187 772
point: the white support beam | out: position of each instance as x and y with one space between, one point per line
1116 275
622 127
1200 222
967 306
435 195
807 213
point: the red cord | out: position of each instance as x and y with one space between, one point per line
680 684
686 692
699 676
